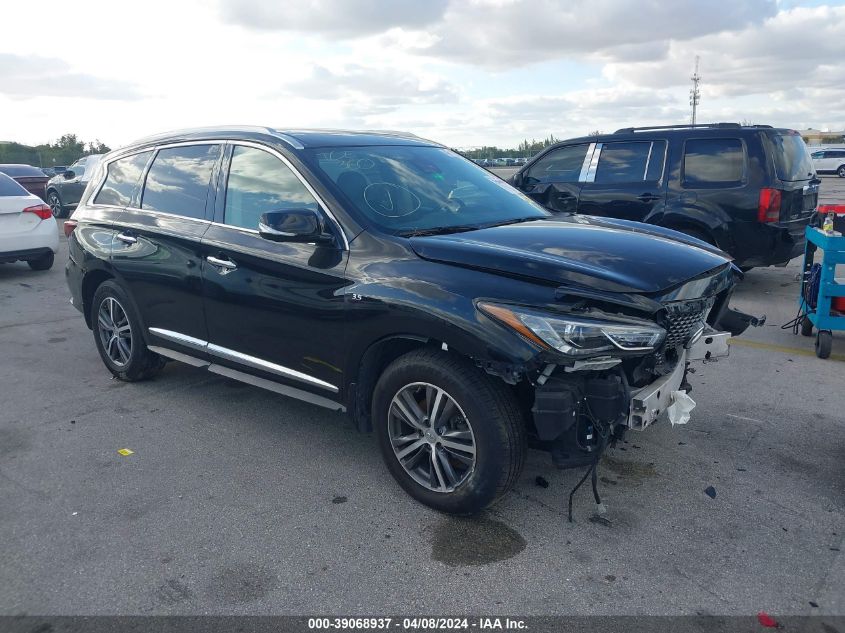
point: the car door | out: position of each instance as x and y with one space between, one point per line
272 308
157 251
625 180
120 187
70 189
553 179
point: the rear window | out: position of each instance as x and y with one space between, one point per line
22 171
124 175
9 187
792 160
713 161
178 180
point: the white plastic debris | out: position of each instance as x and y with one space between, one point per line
680 408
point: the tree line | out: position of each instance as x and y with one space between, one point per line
64 151
525 149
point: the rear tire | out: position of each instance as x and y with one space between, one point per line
45 262
55 204
475 409
117 334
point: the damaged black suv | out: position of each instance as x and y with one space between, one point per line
386 276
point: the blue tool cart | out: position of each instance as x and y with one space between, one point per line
822 300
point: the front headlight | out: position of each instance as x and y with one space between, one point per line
575 336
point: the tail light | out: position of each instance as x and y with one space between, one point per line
69 226
41 210
768 210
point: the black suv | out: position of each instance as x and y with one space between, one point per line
750 190
389 277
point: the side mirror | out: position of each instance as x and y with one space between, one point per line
293 225
69 175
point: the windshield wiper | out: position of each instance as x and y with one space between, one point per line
461 228
440 230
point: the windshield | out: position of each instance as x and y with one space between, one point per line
410 190
792 159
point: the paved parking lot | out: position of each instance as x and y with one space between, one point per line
237 500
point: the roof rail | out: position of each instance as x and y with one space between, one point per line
628 130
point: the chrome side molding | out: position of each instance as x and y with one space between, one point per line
177 337
249 379
234 356
260 363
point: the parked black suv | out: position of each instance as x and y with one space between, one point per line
387 276
750 190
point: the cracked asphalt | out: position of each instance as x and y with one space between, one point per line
240 501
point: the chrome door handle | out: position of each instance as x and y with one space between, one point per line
126 238
224 266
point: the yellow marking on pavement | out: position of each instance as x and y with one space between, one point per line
783 349
125 452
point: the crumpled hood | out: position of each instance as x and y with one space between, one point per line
599 253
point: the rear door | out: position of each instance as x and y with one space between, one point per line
553 180
97 217
272 307
625 180
157 250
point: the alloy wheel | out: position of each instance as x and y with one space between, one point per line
55 205
431 437
115 331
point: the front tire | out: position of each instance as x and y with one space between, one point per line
55 204
451 436
117 334
841 171
824 343
45 262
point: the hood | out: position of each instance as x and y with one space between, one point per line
609 255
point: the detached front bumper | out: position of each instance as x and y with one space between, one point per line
649 402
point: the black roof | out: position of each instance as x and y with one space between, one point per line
294 138
21 171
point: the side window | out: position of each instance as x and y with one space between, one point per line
837 154
560 165
259 182
123 176
817 155
713 161
178 180
634 161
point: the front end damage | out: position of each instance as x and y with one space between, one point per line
580 405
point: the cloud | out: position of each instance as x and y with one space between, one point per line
497 34
27 77
378 89
801 47
332 18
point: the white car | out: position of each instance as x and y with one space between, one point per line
830 160
28 230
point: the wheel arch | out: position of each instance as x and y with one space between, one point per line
90 282
378 355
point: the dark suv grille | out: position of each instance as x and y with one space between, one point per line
682 319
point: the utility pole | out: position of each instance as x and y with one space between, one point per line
695 93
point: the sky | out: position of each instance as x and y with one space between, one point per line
462 72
